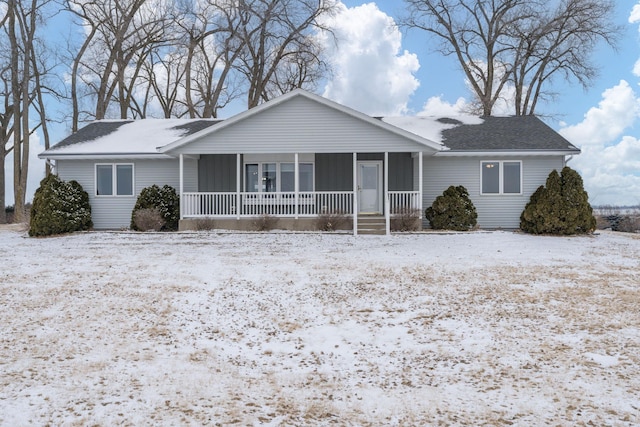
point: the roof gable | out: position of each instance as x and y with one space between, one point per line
303 122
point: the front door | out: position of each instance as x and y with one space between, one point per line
370 187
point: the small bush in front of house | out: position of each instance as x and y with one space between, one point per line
59 207
560 207
148 219
204 224
165 200
331 221
453 210
405 219
264 222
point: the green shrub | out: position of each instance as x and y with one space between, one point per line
453 210
164 199
59 207
560 207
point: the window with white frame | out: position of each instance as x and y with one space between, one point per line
501 177
114 179
277 177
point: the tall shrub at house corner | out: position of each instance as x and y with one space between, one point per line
165 199
560 207
59 207
453 210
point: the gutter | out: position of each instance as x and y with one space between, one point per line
509 153
94 156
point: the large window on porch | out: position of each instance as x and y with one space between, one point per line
277 177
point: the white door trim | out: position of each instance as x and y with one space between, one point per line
364 208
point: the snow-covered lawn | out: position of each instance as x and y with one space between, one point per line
492 328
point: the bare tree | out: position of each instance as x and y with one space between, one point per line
120 35
212 48
559 41
21 34
523 43
279 44
23 72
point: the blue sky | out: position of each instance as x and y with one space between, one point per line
381 70
441 76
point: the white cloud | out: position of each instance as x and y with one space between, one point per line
36 171
634 18
610 160
371 74
618 110
436 106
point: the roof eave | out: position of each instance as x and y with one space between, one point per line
98 156
507 153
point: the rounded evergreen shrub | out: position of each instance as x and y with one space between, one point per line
453 210
59 207
165 200
560 207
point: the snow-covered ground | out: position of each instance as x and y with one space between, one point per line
486 328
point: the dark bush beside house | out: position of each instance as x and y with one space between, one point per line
59 207
453 210
164 199
560 207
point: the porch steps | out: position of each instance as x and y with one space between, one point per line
370 224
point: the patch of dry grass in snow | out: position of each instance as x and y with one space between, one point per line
289 329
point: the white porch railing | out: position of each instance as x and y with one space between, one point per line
227 204
401 201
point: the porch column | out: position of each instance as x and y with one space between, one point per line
238 187
355 194
182 199
387 208
420 184
296 185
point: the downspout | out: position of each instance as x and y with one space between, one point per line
387 208
355 194
182 186
567 160
52 165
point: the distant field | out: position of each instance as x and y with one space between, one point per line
485 328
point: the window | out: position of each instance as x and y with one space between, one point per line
274 177
114 176
501 177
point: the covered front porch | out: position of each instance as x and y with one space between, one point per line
232 190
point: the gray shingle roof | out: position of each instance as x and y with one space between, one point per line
91 132
505 133
99 129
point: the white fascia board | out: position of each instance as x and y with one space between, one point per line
509 153
98 156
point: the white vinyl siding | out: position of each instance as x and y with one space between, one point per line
494 210
115 212
301 126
